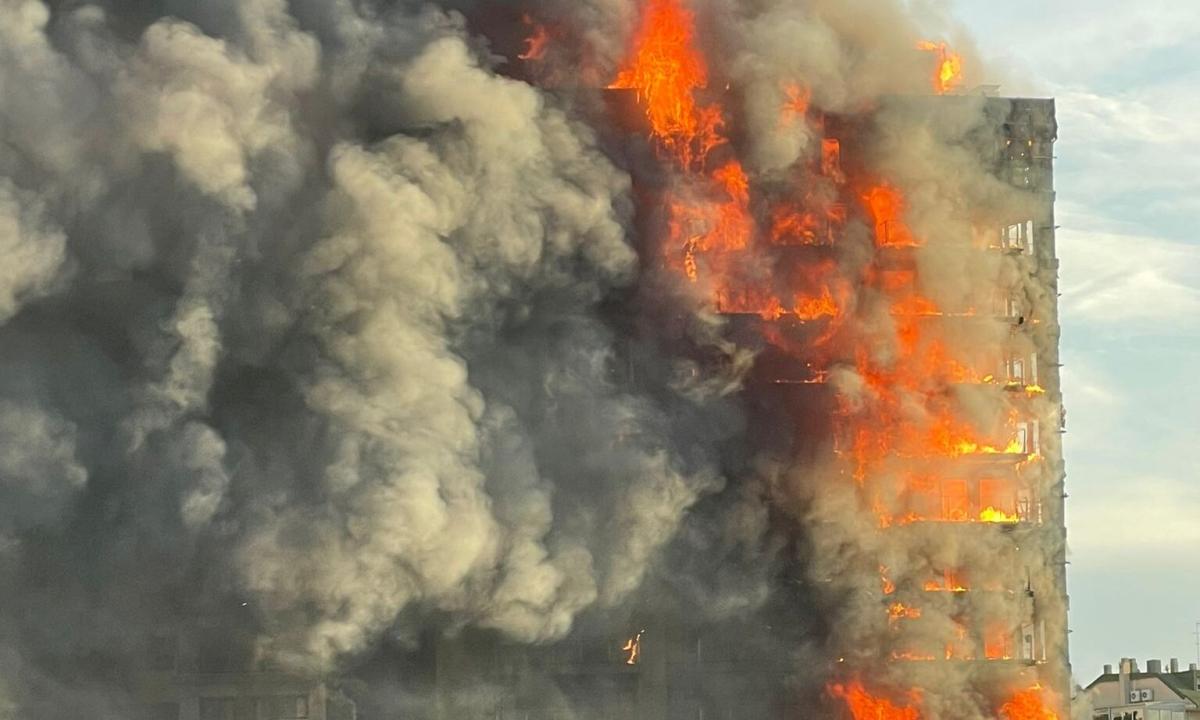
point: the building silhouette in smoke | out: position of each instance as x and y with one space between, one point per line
775 659
1008 632
212 673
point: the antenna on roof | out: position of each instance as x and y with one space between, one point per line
1197 634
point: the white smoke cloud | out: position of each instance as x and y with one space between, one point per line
39 469
34 250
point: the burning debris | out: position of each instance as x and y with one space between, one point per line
633 648
537 42
329 330
948 76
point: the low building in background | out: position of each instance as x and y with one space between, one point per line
1155 694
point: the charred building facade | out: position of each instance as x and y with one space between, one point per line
904 406
888 305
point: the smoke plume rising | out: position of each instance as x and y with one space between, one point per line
338 327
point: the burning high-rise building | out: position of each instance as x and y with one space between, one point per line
894 285
898 286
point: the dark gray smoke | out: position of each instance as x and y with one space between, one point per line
303 331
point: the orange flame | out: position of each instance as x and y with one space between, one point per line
865 706
948 75
666 69
1027 705
900 611
950 582
792 224
795 106
889 587
811 308
831 159
904 409
956 649
997 644
537 43
992 515
886 206
701 226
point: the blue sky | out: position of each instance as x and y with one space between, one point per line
1126 77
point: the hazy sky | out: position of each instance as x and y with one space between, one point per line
1127 81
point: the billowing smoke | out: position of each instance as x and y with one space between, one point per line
335 329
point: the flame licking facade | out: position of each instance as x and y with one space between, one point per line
900 297
896 289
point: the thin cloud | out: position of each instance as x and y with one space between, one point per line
1114 279
1116 521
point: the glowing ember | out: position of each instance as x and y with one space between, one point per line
865 706
1027 705
910 656
997 644
633 646
900 611
796 105
948 75
536 43
705 226
793 226
831 159
888 586
956 649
